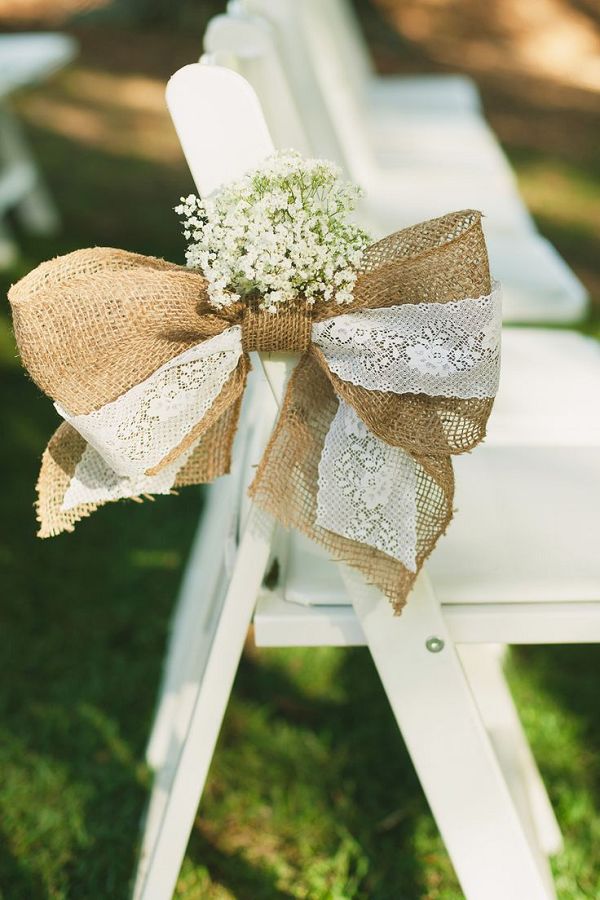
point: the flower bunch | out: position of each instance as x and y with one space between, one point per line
278 233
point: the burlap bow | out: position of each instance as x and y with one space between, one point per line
150 377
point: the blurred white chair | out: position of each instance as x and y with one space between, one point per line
430 135
24 60
518 565
386 96
538 285
315 71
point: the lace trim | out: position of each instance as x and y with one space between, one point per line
367 489
440 349
137 430
95 482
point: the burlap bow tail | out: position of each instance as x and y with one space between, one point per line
149 378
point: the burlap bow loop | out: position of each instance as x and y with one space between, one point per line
149 378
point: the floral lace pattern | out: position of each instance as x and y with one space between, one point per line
137 430
440 349
368 489
95 482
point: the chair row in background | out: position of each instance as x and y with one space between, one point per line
418 146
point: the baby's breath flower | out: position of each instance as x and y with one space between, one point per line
277 233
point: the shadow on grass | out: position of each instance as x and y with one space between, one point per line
556 688
312 779
233 872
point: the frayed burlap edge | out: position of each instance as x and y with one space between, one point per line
210 459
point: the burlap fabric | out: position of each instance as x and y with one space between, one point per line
94 323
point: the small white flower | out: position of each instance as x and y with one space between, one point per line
278 233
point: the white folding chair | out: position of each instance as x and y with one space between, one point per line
538 285
494 837
24 60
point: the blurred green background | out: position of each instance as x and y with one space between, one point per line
311 793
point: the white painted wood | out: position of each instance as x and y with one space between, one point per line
389 95
279 623
315 72
525 623
429 129
28 58
208 637
9 249
300 78
248 45
488 843
21 185
244 138
211 562
24 60
158 872
214 543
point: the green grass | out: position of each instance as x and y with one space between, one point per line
311 793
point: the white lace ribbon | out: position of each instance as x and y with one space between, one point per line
440 349
367 489
137 430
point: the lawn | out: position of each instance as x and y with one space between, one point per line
311 793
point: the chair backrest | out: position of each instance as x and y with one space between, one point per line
319 80
247 45
345 35
219 122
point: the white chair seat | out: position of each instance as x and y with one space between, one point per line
27 58
507 544
459 142
537 284
549 389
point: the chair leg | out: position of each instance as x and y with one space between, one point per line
184 662
37 212
181 788
451 751
483 667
